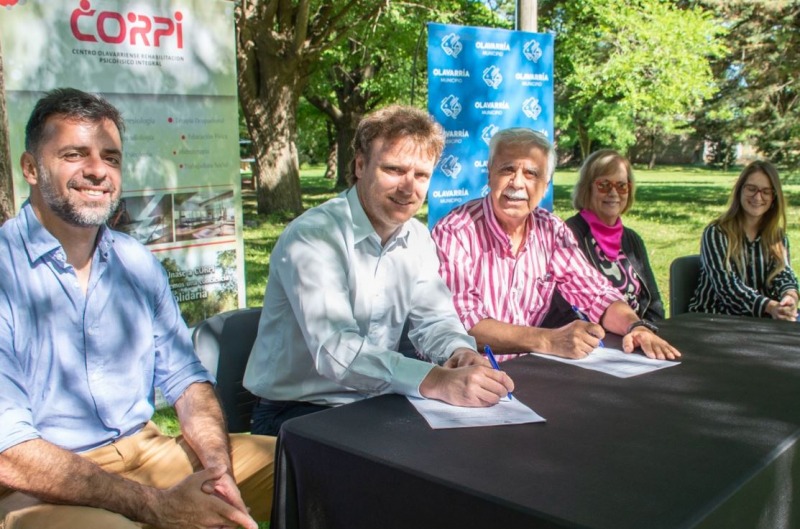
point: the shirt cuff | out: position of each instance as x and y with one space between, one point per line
408 376
16 430
786 289
761 306
471 319
601 304
461 341
175 391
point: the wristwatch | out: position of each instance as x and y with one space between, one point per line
642 323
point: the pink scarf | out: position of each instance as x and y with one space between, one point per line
609 238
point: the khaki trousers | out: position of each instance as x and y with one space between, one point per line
153 459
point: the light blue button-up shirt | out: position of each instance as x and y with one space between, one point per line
335 306
80 370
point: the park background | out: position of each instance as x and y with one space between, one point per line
699 82
689 90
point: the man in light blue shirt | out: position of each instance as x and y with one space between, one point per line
344 279
88 329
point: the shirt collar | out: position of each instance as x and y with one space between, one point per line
362 227
40 242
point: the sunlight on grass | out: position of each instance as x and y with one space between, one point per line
261 231
167 421
673 205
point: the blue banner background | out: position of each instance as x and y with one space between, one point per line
481 80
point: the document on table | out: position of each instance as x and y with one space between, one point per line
615 362
442 415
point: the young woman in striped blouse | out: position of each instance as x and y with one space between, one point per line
744 254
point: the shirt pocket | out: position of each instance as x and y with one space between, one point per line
543 289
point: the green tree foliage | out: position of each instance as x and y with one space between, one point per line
279 42
628 71
313 138
759 97
377 64
505 9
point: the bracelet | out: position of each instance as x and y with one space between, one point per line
643 323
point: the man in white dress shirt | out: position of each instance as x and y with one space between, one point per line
344 279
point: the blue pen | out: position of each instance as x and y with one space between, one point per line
583 317
493 361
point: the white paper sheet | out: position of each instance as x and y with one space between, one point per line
442 415
615 362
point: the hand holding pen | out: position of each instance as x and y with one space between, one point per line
581 316
465 380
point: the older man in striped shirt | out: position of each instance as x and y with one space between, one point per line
503 258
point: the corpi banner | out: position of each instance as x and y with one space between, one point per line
169 66
481 80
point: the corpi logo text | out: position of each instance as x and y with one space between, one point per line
114 28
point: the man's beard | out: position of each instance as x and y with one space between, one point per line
83 215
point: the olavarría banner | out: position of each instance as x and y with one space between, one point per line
481 80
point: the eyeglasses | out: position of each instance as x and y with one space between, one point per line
604 186
751 191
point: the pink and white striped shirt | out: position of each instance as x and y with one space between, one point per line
488 281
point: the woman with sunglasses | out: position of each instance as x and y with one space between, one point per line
603 192
744 254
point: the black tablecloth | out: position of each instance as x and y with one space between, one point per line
709 443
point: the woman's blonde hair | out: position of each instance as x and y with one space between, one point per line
597 164
772 226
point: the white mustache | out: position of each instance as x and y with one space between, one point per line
516 194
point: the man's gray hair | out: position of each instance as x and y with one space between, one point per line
524 136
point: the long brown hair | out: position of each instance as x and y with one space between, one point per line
772 225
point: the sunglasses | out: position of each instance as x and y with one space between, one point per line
604 186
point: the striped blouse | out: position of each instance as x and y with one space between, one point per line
723 291
489 281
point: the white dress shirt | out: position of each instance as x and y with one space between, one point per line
335 306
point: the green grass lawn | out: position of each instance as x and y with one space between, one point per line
673 205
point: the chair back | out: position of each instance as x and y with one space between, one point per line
683 276
223 343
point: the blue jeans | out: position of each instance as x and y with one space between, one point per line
268 415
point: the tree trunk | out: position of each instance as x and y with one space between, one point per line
278 42
330 162
6 176
269 103
345 132
585 141
652 163
345 118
